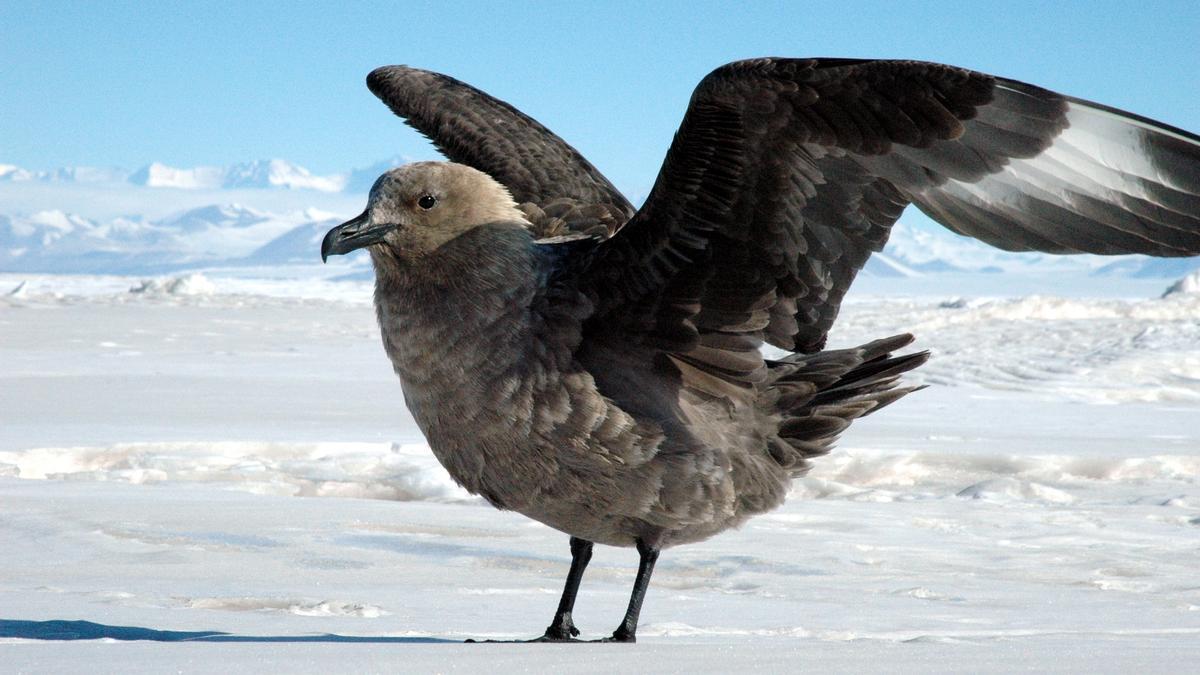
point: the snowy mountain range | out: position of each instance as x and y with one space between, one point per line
269 173
274 213
218 235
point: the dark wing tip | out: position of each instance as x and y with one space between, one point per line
471 127
382 76
395 84
401 85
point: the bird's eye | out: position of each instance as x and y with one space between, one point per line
427 202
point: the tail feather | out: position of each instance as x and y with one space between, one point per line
819 395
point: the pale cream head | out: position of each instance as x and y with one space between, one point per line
415 209
434 202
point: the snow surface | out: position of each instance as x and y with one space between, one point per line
215 472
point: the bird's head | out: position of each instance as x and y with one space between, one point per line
414 209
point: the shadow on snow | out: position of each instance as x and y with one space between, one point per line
87 630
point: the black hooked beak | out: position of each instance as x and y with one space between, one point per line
352 235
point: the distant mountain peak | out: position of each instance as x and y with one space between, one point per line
361 179
157 174
1187 285
257 174
67 174
215 215
279 173
265 173
13 172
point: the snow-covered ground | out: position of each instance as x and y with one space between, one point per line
217 473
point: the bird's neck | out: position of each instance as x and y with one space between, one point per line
478 341
460 321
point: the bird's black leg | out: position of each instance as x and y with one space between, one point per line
627 631
563 629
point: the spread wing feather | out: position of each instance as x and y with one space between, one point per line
559 189
786 174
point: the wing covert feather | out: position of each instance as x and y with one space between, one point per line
787 174
473 128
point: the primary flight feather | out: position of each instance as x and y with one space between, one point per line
598 367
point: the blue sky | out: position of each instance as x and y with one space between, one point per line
123 84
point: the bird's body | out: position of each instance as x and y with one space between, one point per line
597 439
599 369
490 373
495 378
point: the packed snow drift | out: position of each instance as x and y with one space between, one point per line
202 442
214 457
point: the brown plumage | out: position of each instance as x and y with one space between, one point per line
598 368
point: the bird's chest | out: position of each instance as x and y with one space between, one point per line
485 391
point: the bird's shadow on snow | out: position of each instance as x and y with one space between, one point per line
87 630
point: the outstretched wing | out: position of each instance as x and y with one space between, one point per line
787 174
560 189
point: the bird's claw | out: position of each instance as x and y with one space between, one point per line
556 638
620 635
559 631
566 634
